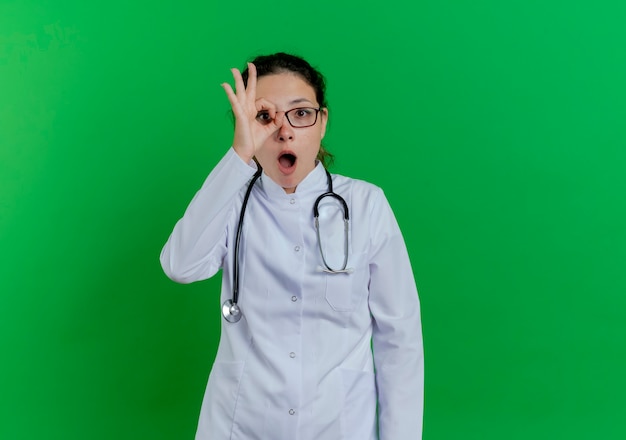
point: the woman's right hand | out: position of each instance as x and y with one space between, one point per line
251 131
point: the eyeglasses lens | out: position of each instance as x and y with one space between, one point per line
302 117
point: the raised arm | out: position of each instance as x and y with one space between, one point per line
196 247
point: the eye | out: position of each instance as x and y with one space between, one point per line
263 117
303 113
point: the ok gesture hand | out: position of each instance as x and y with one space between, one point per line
250 130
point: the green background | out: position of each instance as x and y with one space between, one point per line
497 130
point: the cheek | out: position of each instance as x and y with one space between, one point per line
312 146
263 158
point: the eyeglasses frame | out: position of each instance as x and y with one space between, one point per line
317 111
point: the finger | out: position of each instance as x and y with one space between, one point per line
251 90
279 119
262 104
234 102
240 89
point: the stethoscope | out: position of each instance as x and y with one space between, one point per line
230 309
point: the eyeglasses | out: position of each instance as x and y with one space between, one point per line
298 117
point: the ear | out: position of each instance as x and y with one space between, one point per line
324 118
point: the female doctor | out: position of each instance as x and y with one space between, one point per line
321 332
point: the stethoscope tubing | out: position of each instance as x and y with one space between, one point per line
238 236
230 308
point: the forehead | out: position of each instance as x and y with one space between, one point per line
284 88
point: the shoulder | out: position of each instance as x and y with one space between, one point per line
358 190
359 185
372 219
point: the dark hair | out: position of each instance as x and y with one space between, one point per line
283 62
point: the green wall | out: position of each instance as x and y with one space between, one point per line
497 130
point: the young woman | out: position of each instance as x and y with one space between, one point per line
321 332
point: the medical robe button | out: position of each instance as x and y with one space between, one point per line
292 355
292 411
294 298
297 248
292 201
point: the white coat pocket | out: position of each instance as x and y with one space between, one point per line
345 290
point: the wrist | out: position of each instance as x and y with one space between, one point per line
244 153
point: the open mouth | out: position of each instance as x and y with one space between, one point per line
287 162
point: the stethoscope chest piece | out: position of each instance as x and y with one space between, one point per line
231 311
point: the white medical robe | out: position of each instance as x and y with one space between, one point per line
299 364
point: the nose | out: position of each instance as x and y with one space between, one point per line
285 132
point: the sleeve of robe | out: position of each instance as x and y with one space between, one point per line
197 245
397 332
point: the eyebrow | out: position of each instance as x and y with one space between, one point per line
300 100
